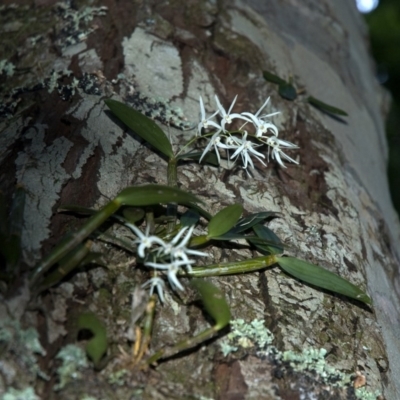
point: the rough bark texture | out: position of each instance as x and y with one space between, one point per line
61 145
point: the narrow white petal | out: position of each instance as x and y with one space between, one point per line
202 109
233 103
157 265
239 150
173 280
275 153
206 150
217 154
269 115
175 240
220 108
289 158
135 230
239 116
262 107
187 237
196 253
255 152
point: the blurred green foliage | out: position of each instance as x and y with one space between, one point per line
384 25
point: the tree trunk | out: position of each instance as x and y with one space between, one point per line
61 145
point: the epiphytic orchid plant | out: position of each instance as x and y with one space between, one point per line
167 247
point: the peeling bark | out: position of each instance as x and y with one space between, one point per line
61 145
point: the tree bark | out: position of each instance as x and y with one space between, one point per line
61 145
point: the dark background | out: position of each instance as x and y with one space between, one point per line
384 26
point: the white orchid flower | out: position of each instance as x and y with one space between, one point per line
262 126
245 150
215 142
227 117
156 283
144 240
275 144
172 269
179 252
205 122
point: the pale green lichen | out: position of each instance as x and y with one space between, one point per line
7 68
364 394
23 394
255 334
24 344
118 377
312 359
246 335
73 362
76 23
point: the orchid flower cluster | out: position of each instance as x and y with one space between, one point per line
172 257
246 145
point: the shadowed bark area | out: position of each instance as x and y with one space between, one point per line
62 146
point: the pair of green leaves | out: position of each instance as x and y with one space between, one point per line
227 225
289 92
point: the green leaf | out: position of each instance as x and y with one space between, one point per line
77 209
133 214
146 128
209 158
248 222
128 214
326 107
214 302
154 194
268 76
269 236
224 220
287 91
97 345
320 277
230 236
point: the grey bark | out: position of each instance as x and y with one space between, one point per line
336 211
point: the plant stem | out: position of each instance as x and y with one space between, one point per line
239 267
